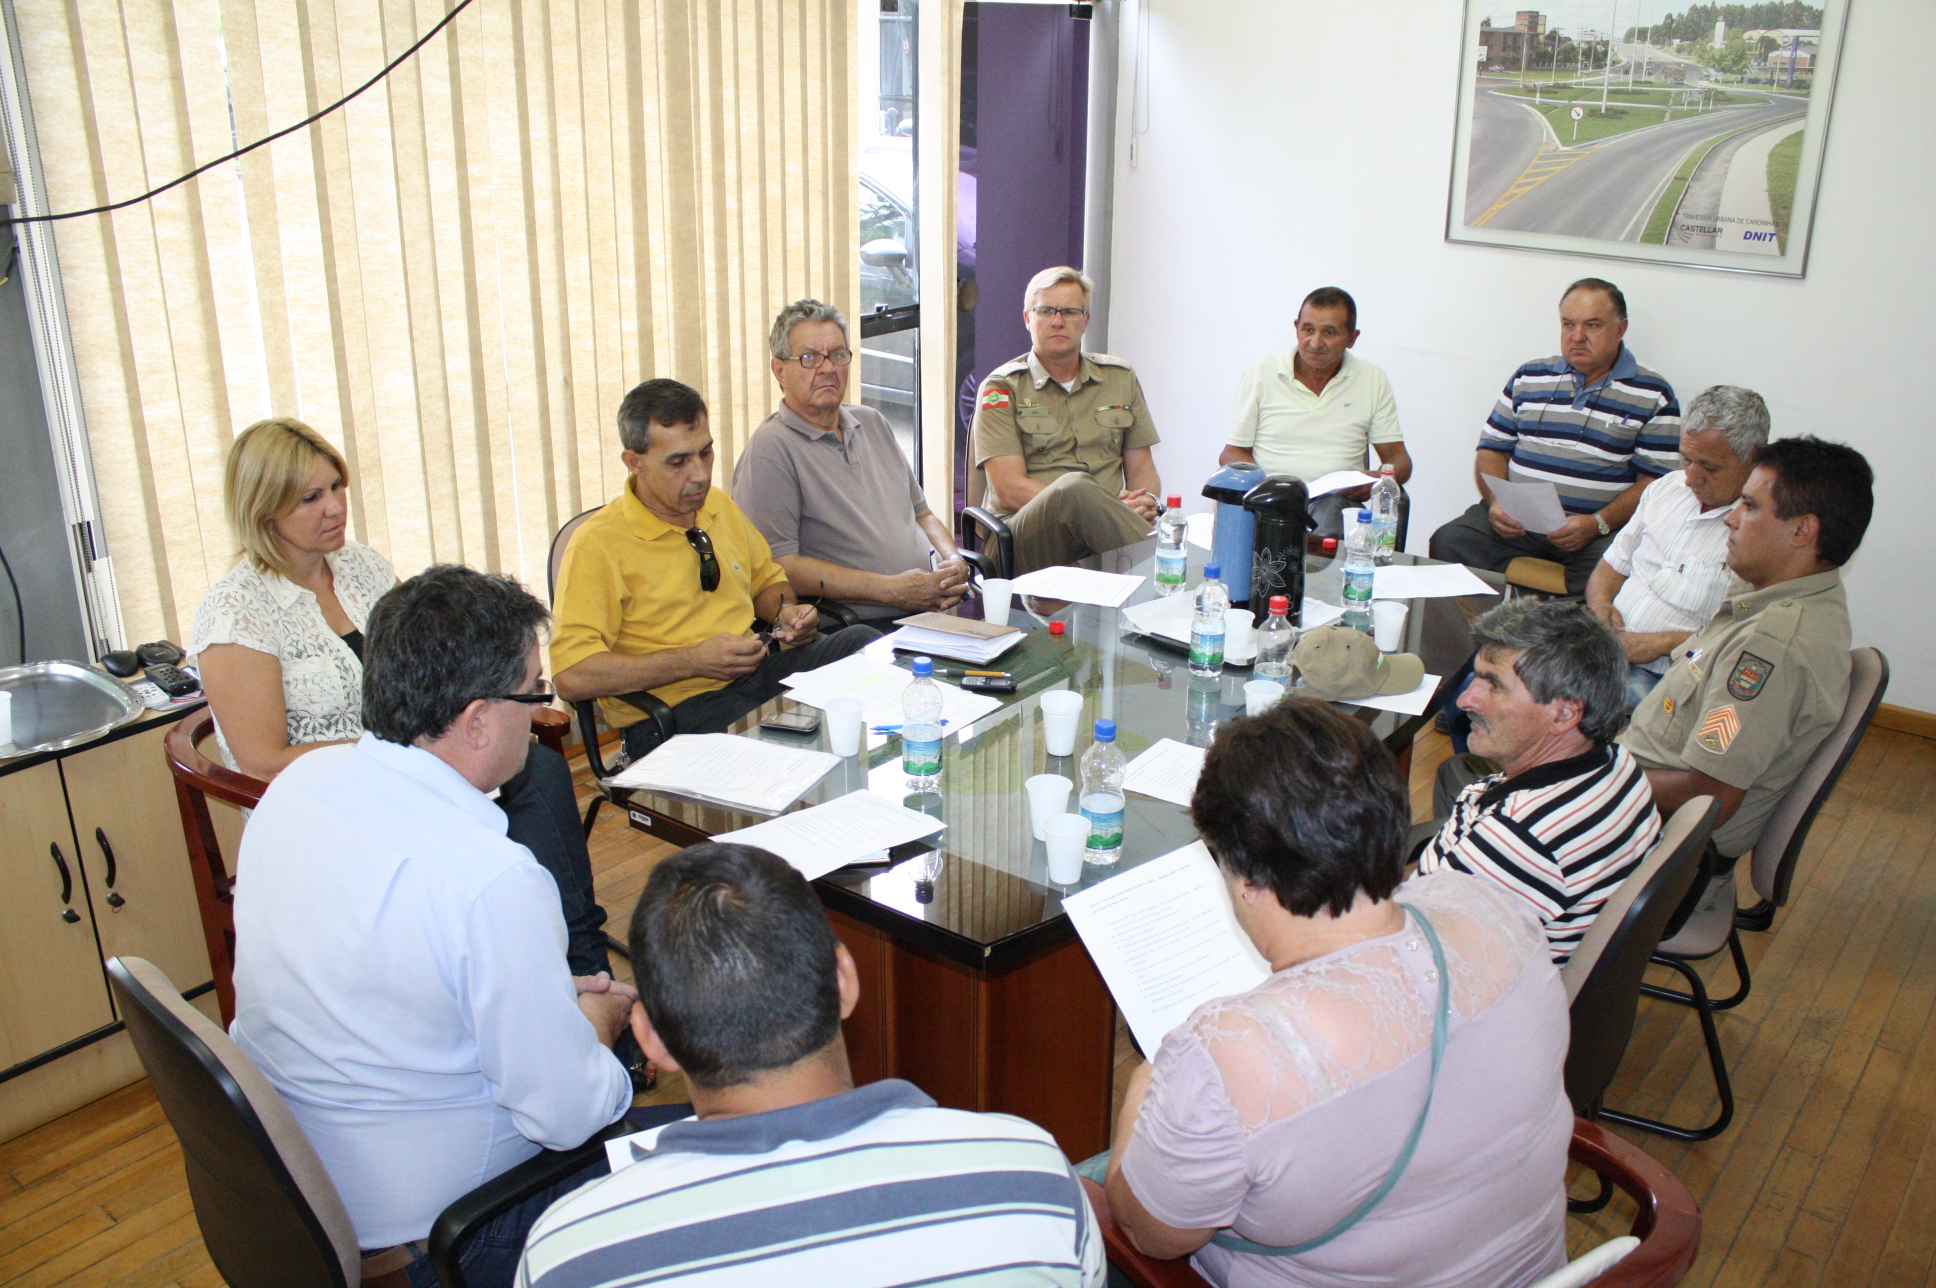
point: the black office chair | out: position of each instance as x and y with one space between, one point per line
1715 925
270 1216
1603 977
984 539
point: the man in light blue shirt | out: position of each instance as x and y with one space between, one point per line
400 964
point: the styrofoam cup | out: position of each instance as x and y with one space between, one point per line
1061 714
1261 695
6 719
1048 795
1067 837
1236 632
1388 624
843 726
995 595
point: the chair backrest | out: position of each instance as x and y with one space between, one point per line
269 1214
558 544
197 778
1604 974
1779 847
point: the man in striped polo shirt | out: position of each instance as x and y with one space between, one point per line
790 1174
1592 422
1551 807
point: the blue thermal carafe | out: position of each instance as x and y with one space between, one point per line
1230 541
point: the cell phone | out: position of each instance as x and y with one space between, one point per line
989 683
792 721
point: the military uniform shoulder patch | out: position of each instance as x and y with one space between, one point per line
1749 675
1717 731
994 395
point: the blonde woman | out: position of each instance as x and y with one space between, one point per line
278 642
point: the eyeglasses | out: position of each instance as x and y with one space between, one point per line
539 696
1044 312
811 358
708 561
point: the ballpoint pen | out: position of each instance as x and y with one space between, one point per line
893 728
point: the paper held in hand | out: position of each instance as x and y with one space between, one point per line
745 773
1166 941
821 838
1533 505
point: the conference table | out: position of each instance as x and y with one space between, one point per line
974 985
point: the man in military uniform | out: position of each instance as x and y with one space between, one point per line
1064 436
1752 694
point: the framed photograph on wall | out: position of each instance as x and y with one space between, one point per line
1639 129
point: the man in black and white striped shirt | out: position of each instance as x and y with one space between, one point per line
1551 808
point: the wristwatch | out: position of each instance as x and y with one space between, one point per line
1600 522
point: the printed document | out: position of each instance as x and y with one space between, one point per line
744 773
1338 481
1534 504
1168 771
1166 941
1080 585
821 838
879 686
1425 581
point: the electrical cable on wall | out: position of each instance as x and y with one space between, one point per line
20 615
152 193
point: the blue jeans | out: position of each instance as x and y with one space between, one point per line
489 1258
1640 682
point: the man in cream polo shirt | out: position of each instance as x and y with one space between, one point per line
1314 410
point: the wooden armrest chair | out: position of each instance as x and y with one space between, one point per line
1668 1224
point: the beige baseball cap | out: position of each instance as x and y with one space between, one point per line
1338 664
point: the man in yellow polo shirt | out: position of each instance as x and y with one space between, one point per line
659 589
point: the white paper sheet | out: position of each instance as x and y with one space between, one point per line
1407 704
745 773
1338 481
1079 585
1534 503
822 838
879 686
1426 581
624 1151
1319 614
1165 940
1199 528
1170 619
1168 771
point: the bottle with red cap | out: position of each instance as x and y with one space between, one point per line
1275 639
1171 557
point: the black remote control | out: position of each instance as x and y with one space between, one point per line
173 681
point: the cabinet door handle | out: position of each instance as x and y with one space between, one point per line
67 878
107 852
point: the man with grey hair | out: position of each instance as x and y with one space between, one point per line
1064 436
1667 571
828 487
1562 813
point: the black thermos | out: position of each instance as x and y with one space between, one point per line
1282 509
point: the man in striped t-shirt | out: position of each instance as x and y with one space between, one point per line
790 1174
1592 422
1551 808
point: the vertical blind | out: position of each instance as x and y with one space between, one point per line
456 277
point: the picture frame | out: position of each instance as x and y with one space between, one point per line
1643 142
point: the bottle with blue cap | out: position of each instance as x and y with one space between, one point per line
1102 796
1206 627
921 728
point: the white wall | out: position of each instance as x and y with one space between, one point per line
1295 143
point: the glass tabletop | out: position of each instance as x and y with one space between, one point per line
979 892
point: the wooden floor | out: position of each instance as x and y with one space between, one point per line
1828 1175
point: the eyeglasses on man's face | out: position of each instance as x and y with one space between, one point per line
811 358
539 696
708 561
1047 311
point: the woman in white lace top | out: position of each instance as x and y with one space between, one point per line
1269 1136
279 641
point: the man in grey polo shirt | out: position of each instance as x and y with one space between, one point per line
827 486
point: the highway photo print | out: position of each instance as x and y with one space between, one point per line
1642 129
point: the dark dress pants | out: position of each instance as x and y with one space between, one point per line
543 810
1470 540
713 711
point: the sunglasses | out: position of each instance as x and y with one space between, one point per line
708 561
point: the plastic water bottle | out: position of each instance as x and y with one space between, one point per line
1384 515
1358 570
921 728
1206 630
1275 639
1324 574
1102 796
1170 554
